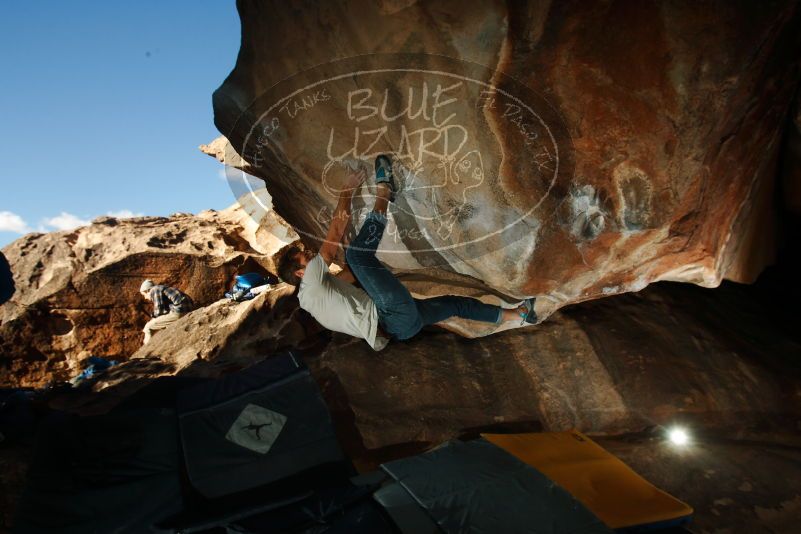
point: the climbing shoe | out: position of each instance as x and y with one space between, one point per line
530 316
384 175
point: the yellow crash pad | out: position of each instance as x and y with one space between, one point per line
599 480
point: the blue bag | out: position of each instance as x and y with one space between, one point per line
243 284
249 280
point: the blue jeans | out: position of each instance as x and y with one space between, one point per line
400 315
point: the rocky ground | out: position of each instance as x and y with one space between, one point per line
720 362
77 291
723 363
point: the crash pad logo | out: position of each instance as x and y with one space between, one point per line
256 428
475 154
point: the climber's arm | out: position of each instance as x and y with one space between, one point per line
157 296
339 221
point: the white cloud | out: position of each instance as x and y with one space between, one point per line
123 214
63 221
11 222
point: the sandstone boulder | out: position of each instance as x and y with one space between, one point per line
569 150
77 291
719 362
669 354
231 333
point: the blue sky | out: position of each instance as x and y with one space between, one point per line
103 105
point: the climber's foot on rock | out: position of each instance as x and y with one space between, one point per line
384 174
529 316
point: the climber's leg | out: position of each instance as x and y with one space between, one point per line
385 176
382 199
397 311
159 323
148 333
438 309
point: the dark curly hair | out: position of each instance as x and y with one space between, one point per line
288 264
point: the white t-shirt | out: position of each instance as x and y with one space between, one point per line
338 305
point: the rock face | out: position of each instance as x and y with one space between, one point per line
570 150
721 362
77 291
228 333
669 354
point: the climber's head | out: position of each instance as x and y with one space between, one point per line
293 264
145 288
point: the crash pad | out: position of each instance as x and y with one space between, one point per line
603 483
475 486
255 427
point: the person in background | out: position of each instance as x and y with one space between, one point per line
169 305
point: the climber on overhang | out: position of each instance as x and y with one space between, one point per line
385 309
169 305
